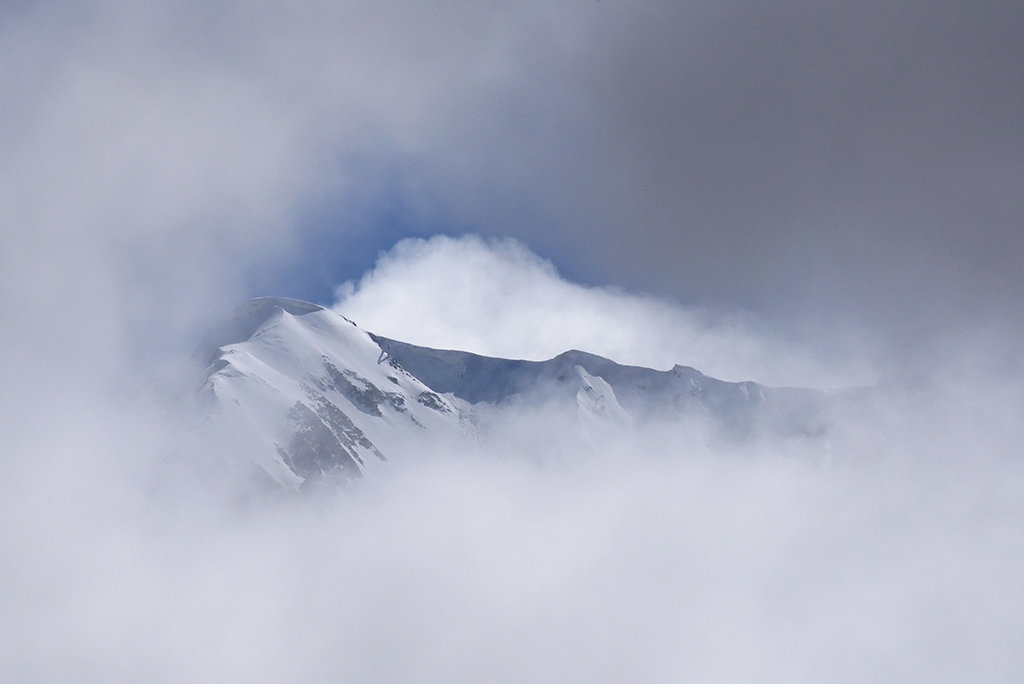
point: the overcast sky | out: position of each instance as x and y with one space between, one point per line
795 191
815 163
822 161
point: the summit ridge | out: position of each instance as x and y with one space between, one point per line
308 397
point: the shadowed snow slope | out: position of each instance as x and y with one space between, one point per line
307 396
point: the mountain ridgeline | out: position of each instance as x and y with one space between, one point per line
306 397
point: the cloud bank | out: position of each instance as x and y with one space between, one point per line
609 565
495 297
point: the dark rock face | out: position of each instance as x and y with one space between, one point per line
433 401
363 394
314 451
325 443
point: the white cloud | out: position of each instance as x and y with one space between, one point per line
152 157
672 566
495 297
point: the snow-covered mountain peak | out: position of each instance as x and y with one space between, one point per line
312 397
247 319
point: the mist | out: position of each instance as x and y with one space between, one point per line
540 555
547 548
798 195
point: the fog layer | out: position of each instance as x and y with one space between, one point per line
832 167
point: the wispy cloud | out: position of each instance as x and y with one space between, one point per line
495 297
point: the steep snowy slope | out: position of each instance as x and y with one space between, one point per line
306 396
311 397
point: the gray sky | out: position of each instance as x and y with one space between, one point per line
820 164
821 160
828 166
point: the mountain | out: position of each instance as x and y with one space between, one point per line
599 385
309 398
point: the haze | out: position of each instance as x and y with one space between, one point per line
800 193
